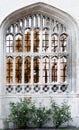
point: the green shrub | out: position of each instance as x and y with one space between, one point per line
24 114
60 114
41 116
21 113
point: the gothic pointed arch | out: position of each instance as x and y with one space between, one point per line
36 35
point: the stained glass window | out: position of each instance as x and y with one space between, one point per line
9 70
54 42
54 69
63 43
9 43
45 41
27 43
45 69
18 43
18 70
36 69
36 54
36 40
63 69
27 70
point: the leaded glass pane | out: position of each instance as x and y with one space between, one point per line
36 40
54 43
36 54
9 43
27 40
54 69
45 70
45 40
18 43
36 69
63 43
18 70
63 69
27 70
9 70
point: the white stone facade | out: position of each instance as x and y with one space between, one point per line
71 94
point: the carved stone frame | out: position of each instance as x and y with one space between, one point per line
52 12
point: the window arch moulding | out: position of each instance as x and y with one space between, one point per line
53 20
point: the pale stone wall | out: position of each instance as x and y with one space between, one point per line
69 6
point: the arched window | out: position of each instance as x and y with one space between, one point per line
38 49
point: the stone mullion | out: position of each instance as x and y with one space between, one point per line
14 83
32 52
58 73
50 52
14 70
37 20
27 22
32 32
45 21
3 64
59 49
58 60
41 70
68 72
14 43
32 70
22 70
23 40
41 57
23 58
41 23
50 72
14 63
50 38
